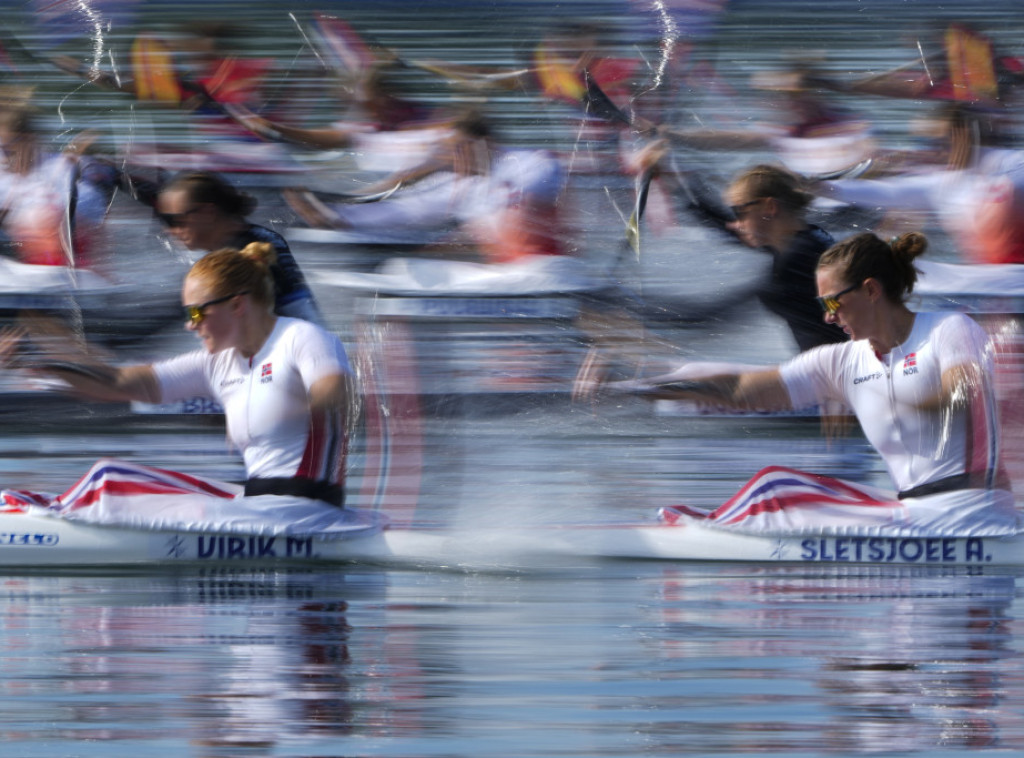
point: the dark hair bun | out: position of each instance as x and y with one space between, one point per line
909 245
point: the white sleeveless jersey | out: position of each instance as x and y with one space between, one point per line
265 399
918 444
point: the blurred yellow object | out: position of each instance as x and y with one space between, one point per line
971 67
558 77
153 70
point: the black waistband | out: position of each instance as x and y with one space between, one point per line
297 487
946 484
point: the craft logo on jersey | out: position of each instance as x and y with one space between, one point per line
266 373
868 378
910 364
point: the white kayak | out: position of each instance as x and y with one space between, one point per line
41 541
102 308
974 288
25 285
533 276
122 513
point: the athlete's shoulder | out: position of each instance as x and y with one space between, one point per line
311 346
948 321
257 233
951 329
298 331
818 237
831 357
1001 160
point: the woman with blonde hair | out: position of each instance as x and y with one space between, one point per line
284 384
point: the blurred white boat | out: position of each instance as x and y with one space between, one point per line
101 309
472 328
974 288
413 277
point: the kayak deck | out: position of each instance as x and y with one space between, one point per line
53 542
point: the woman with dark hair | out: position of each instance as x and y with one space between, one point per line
205 212
918 383
767 212
769 205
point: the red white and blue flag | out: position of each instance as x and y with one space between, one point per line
785 500
109 479
119 493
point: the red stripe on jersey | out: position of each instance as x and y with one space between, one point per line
981 448
326 446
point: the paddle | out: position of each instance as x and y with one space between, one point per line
45 343
67 243
850 172
352 54
597 102
642 187
355 198
156 82
312 208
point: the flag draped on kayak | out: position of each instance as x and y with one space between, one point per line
119 493
784 501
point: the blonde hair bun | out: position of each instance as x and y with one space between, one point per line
261 252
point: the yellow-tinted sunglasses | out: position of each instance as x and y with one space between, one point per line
830 303
195 314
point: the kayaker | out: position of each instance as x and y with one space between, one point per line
769 205
918 383
386 131
52 205
204 212
765 207
503 202
284 383
972 183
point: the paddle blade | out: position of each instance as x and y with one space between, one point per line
643 188
971 65
599 104
557 77
153 70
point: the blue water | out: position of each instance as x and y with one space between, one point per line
621 660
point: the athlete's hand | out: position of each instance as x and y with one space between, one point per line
307 207
78 146
258 125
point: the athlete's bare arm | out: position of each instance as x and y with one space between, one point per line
755 390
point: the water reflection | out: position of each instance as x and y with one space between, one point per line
219 658
625 659
861 661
